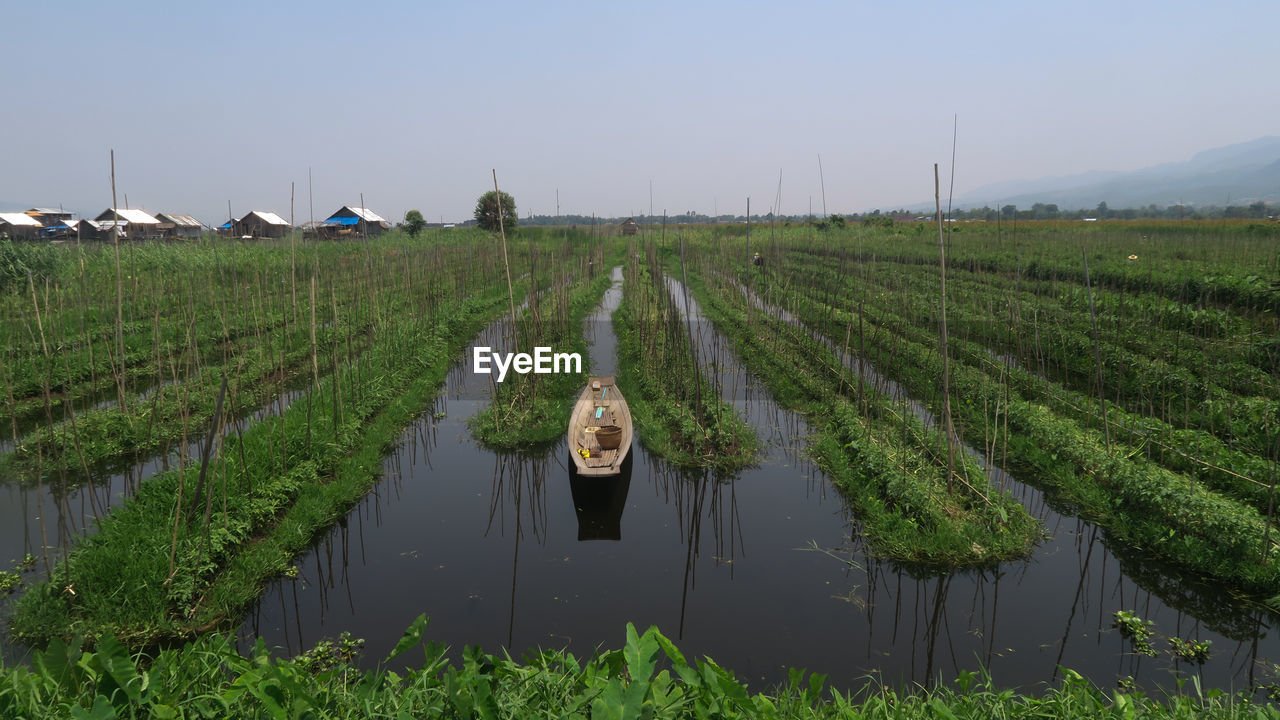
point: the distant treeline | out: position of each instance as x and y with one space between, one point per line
1050 211
1038 211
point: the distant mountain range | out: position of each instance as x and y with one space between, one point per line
1243 173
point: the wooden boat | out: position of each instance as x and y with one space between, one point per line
600 406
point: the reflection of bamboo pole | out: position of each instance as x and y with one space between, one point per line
1271 498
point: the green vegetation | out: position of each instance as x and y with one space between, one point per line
685 422
648 678
1175 454
917 499
22 261
414 223
195 544
1141 393
1135 630
1196 651
191 314
496 211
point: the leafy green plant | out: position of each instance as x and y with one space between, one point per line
329 654
1136 630
649 678
1196 651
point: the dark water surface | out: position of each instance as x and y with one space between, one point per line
763 571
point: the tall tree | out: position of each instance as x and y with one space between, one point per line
414 222
487 211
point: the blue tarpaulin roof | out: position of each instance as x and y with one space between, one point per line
225 226
342 221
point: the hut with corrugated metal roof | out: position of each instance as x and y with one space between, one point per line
132 224
49 217
261 224
19 226
179 227
355 221
629 226
55 223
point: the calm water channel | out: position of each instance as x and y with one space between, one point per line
763 571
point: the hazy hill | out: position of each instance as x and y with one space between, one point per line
1246 172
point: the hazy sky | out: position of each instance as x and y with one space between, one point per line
413 103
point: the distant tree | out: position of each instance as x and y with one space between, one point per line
1008 211
837 221
1102 210
487 211
414 223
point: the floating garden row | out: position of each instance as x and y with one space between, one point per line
194 547
919 499
676 403
1149 507
1242 474
1193 393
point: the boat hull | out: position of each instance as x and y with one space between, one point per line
599 405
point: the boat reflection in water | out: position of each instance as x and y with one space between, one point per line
599 501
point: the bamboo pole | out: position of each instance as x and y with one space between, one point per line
1097 357
293 265
115 244
946 358
502 232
